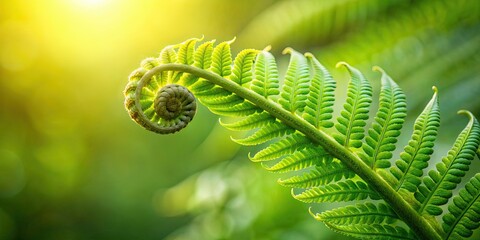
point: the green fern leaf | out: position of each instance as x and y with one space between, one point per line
285 146
438 185
185 54
335 192
319 104
202 59
414 158
265 134
375 231
300 160
150 88
222 59
222 101
242 66
203 55
168 55
253 121
265 82
382 136
355 113
362 213
239 110
322 174
464 212
295 88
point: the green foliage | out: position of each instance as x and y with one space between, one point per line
409 169
400 35
324 164
355 110
366 213
464 211
437 187
375 231
319 106
382 135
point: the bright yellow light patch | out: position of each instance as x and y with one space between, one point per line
89 3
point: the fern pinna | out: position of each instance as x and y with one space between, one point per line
326 160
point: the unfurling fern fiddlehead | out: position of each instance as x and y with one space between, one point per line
295 119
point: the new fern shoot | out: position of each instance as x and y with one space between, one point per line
331 160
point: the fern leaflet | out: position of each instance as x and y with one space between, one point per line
463 211
409 169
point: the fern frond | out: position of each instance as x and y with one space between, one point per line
265 82
253 121
322 166
242 66
319 104
337 192
295 86
300 160
239 110
285 146
222 59
314 22
355 110
221 100
168 55
323 173
203 55
265 134
414 158
361 213
464 212
185 53
382 135
438 185
202 59
375 231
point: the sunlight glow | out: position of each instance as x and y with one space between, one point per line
89 3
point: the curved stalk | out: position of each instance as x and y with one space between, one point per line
416 222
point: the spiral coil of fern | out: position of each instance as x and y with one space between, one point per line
172 107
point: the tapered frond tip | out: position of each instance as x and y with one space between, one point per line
435 89
466 112
233 40
292 192
378 69
287 50
314 215
188 40
340 64
309 55
252 158
267 48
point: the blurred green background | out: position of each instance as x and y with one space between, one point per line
74 166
